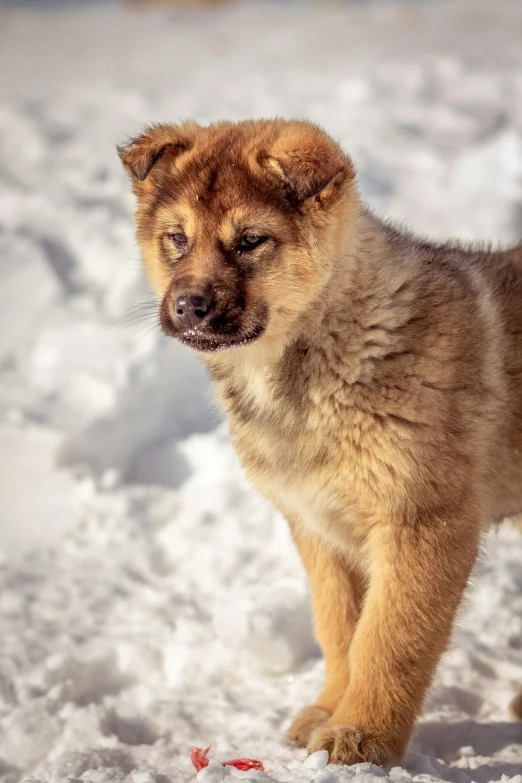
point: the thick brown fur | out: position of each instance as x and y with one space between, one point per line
373 383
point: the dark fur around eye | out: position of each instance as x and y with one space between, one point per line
249 242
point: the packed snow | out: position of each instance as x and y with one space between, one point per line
150 600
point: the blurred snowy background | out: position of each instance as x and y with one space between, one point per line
149 599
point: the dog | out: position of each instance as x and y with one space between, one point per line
373 385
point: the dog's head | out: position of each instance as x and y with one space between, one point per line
239 225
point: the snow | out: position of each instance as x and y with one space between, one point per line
149 599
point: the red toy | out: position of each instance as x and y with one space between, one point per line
198 756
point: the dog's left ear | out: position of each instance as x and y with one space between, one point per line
140 154
310 164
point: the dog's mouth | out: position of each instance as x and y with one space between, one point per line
206 342
217 334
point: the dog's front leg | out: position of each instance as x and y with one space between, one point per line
337 592
418 573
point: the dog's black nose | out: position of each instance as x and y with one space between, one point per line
191 309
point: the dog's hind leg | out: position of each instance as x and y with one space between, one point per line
516 705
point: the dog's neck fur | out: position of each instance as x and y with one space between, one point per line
366 299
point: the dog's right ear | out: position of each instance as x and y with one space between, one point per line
141 153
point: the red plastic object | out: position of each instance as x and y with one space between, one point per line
198 756
244 764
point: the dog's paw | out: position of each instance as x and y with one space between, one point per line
348 745
306 722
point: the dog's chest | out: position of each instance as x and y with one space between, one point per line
306 478
320 446
298 454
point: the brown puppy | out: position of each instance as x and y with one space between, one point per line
373 383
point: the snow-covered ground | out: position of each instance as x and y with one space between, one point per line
149 600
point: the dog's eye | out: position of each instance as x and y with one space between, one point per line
179 240
250 241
